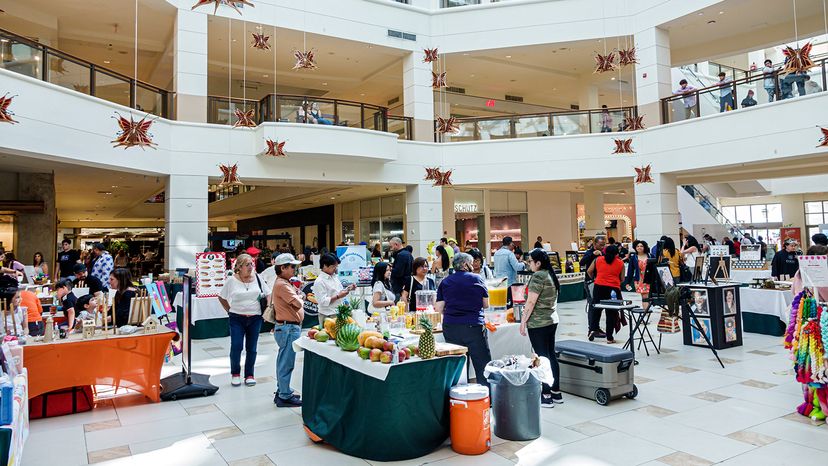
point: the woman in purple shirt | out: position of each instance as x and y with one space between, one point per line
462 297
11 267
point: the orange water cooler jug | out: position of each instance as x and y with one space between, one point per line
470 421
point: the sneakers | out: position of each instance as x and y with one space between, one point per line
292 402
557 398
546 401
250 381
235 380
596 334
610 341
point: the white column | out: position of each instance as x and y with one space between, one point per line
190 66
652 79
424 206
656 209
448 210
588 97
186 220
418 98
593 210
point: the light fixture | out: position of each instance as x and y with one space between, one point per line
508 56
612 78
265 75
362 94
324 84
107 62
37 57
721 12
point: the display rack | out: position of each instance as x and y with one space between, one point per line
805 337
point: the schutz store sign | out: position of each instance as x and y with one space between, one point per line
465 207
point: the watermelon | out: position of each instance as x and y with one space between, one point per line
348 337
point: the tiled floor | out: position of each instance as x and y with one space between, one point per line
689 411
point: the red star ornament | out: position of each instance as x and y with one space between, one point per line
443 178
430 55
634 123
797 60
275 148
229 175
627 57
245 119
438 80
431 173
260 42
304 60
623 146
235 4
5 113
642 175
447 125
133 133
824 141
604 63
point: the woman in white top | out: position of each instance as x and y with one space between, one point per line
241 297
691 250
39 264
381 294
327 289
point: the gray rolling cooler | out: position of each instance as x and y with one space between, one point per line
596 371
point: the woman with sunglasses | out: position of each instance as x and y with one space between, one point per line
288 307
419 281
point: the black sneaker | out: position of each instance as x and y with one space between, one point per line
599 334
557 398
546 401
292 402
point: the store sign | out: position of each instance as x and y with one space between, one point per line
465 207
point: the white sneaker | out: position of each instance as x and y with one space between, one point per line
235 380
250 381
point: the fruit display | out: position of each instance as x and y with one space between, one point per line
365 334
347 337
343 316
322 336
426 346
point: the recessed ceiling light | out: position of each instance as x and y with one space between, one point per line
234 40
465 54
612 78
471 75
107 62
333 197
721 12
37 57
554 88
508 56
362 94
265 75
324 84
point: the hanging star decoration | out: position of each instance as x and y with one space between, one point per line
604 63
430 55
235 4
627 57
260 42
245 119
438 80
443 178
5 113
229 175
275 148
623 146
447 125
431 173
642 175
822 142
133 133
633 123
797 60
304 60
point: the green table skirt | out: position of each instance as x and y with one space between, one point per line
571 292
212 328
404 417
765 324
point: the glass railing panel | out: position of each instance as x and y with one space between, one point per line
454 3
607 122
500 128
223 112
67 73
710 101
349 115
291 109
468 131
398 126
112 88
532 126
149 100
20 57
564 125
373 118
319 112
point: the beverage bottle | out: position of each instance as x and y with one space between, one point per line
613 295
384 325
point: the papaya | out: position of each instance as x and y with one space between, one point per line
330 327
367 333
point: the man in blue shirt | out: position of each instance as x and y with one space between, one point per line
462 297
505 262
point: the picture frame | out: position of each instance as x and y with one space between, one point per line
697 337
730 329
719 268
699 303
729 308
698 269
665 275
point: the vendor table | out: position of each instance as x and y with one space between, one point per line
376 411
209 317
572 288
128 361
747 276
765 311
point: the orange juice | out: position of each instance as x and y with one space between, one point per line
497 297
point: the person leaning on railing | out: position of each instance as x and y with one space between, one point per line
689 99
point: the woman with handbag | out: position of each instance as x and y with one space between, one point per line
671 255
244 297
636 266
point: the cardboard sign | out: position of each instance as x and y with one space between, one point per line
210 273
750 252
814 270
719 250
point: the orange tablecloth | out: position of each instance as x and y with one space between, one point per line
129 361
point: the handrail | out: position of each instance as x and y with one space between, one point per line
707 204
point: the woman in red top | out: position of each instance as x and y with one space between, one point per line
608 272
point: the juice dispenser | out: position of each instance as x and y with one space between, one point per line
497 294
518 299
425 300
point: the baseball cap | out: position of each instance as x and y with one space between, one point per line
253 251
78 268
286 258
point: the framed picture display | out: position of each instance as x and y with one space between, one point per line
729 298
699 303
698 338
719 267
730 329
665 275
698 269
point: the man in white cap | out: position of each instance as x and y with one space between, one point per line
287 304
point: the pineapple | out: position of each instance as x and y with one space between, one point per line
343 313
426 347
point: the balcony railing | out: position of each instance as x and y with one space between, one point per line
539 124
735 94
39 61
310 110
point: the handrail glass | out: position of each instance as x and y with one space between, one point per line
286 108
755 89
705 200
39 61
539 124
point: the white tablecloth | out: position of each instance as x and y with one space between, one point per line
747 276
772 302
202 308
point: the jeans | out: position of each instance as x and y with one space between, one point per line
724 101
244 330
771 93
475 339
36 328
600 293
543 344
285 335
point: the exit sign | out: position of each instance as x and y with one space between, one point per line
490 103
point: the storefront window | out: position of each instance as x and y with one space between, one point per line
348 232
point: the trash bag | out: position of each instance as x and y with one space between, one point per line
518 369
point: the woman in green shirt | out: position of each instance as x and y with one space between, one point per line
541 319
